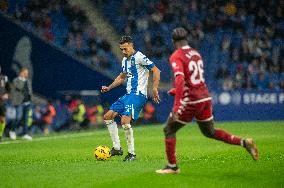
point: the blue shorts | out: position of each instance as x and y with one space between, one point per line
129 105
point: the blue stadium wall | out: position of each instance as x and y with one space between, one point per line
54 71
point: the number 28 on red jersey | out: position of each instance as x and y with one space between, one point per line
188 62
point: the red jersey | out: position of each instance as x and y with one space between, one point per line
187 62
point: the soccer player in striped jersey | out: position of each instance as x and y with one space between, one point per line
135 69
192 100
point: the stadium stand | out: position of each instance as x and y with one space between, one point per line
243 39
64 25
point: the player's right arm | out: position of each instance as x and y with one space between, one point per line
118 81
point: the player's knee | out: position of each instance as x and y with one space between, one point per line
168 132
207 129
208 134
108 116
108 122
126 126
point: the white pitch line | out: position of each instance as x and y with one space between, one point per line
73 135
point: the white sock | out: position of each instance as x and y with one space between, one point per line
172 165
129 137
113 131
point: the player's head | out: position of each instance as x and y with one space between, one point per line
24 73
179 37
126 46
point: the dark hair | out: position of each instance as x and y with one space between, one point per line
125 39
179 34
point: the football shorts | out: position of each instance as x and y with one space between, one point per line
200 111
129 105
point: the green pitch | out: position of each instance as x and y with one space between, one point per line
66 160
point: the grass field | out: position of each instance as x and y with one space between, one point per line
66 160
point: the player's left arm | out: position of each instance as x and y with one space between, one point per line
156 76
156 81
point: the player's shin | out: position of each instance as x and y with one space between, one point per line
170 130
129 137
171 150
208 130
113 131
227 137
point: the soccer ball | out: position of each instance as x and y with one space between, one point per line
102 153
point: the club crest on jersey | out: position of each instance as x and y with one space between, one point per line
132 62
174 65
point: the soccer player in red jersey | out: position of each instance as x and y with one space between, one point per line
192 100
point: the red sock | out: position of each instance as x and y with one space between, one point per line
171 150
227 137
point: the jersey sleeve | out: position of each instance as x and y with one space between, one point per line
176 65
146 62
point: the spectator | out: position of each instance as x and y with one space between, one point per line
37 120
78 116
222 73
21 95
10 117
262 81
48 117
147 115
3 97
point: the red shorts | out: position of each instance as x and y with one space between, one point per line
200 111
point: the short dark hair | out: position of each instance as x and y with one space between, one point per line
125 39
179 34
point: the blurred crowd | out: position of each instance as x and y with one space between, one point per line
64 25
54 116
242 41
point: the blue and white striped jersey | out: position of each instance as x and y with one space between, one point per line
137 69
